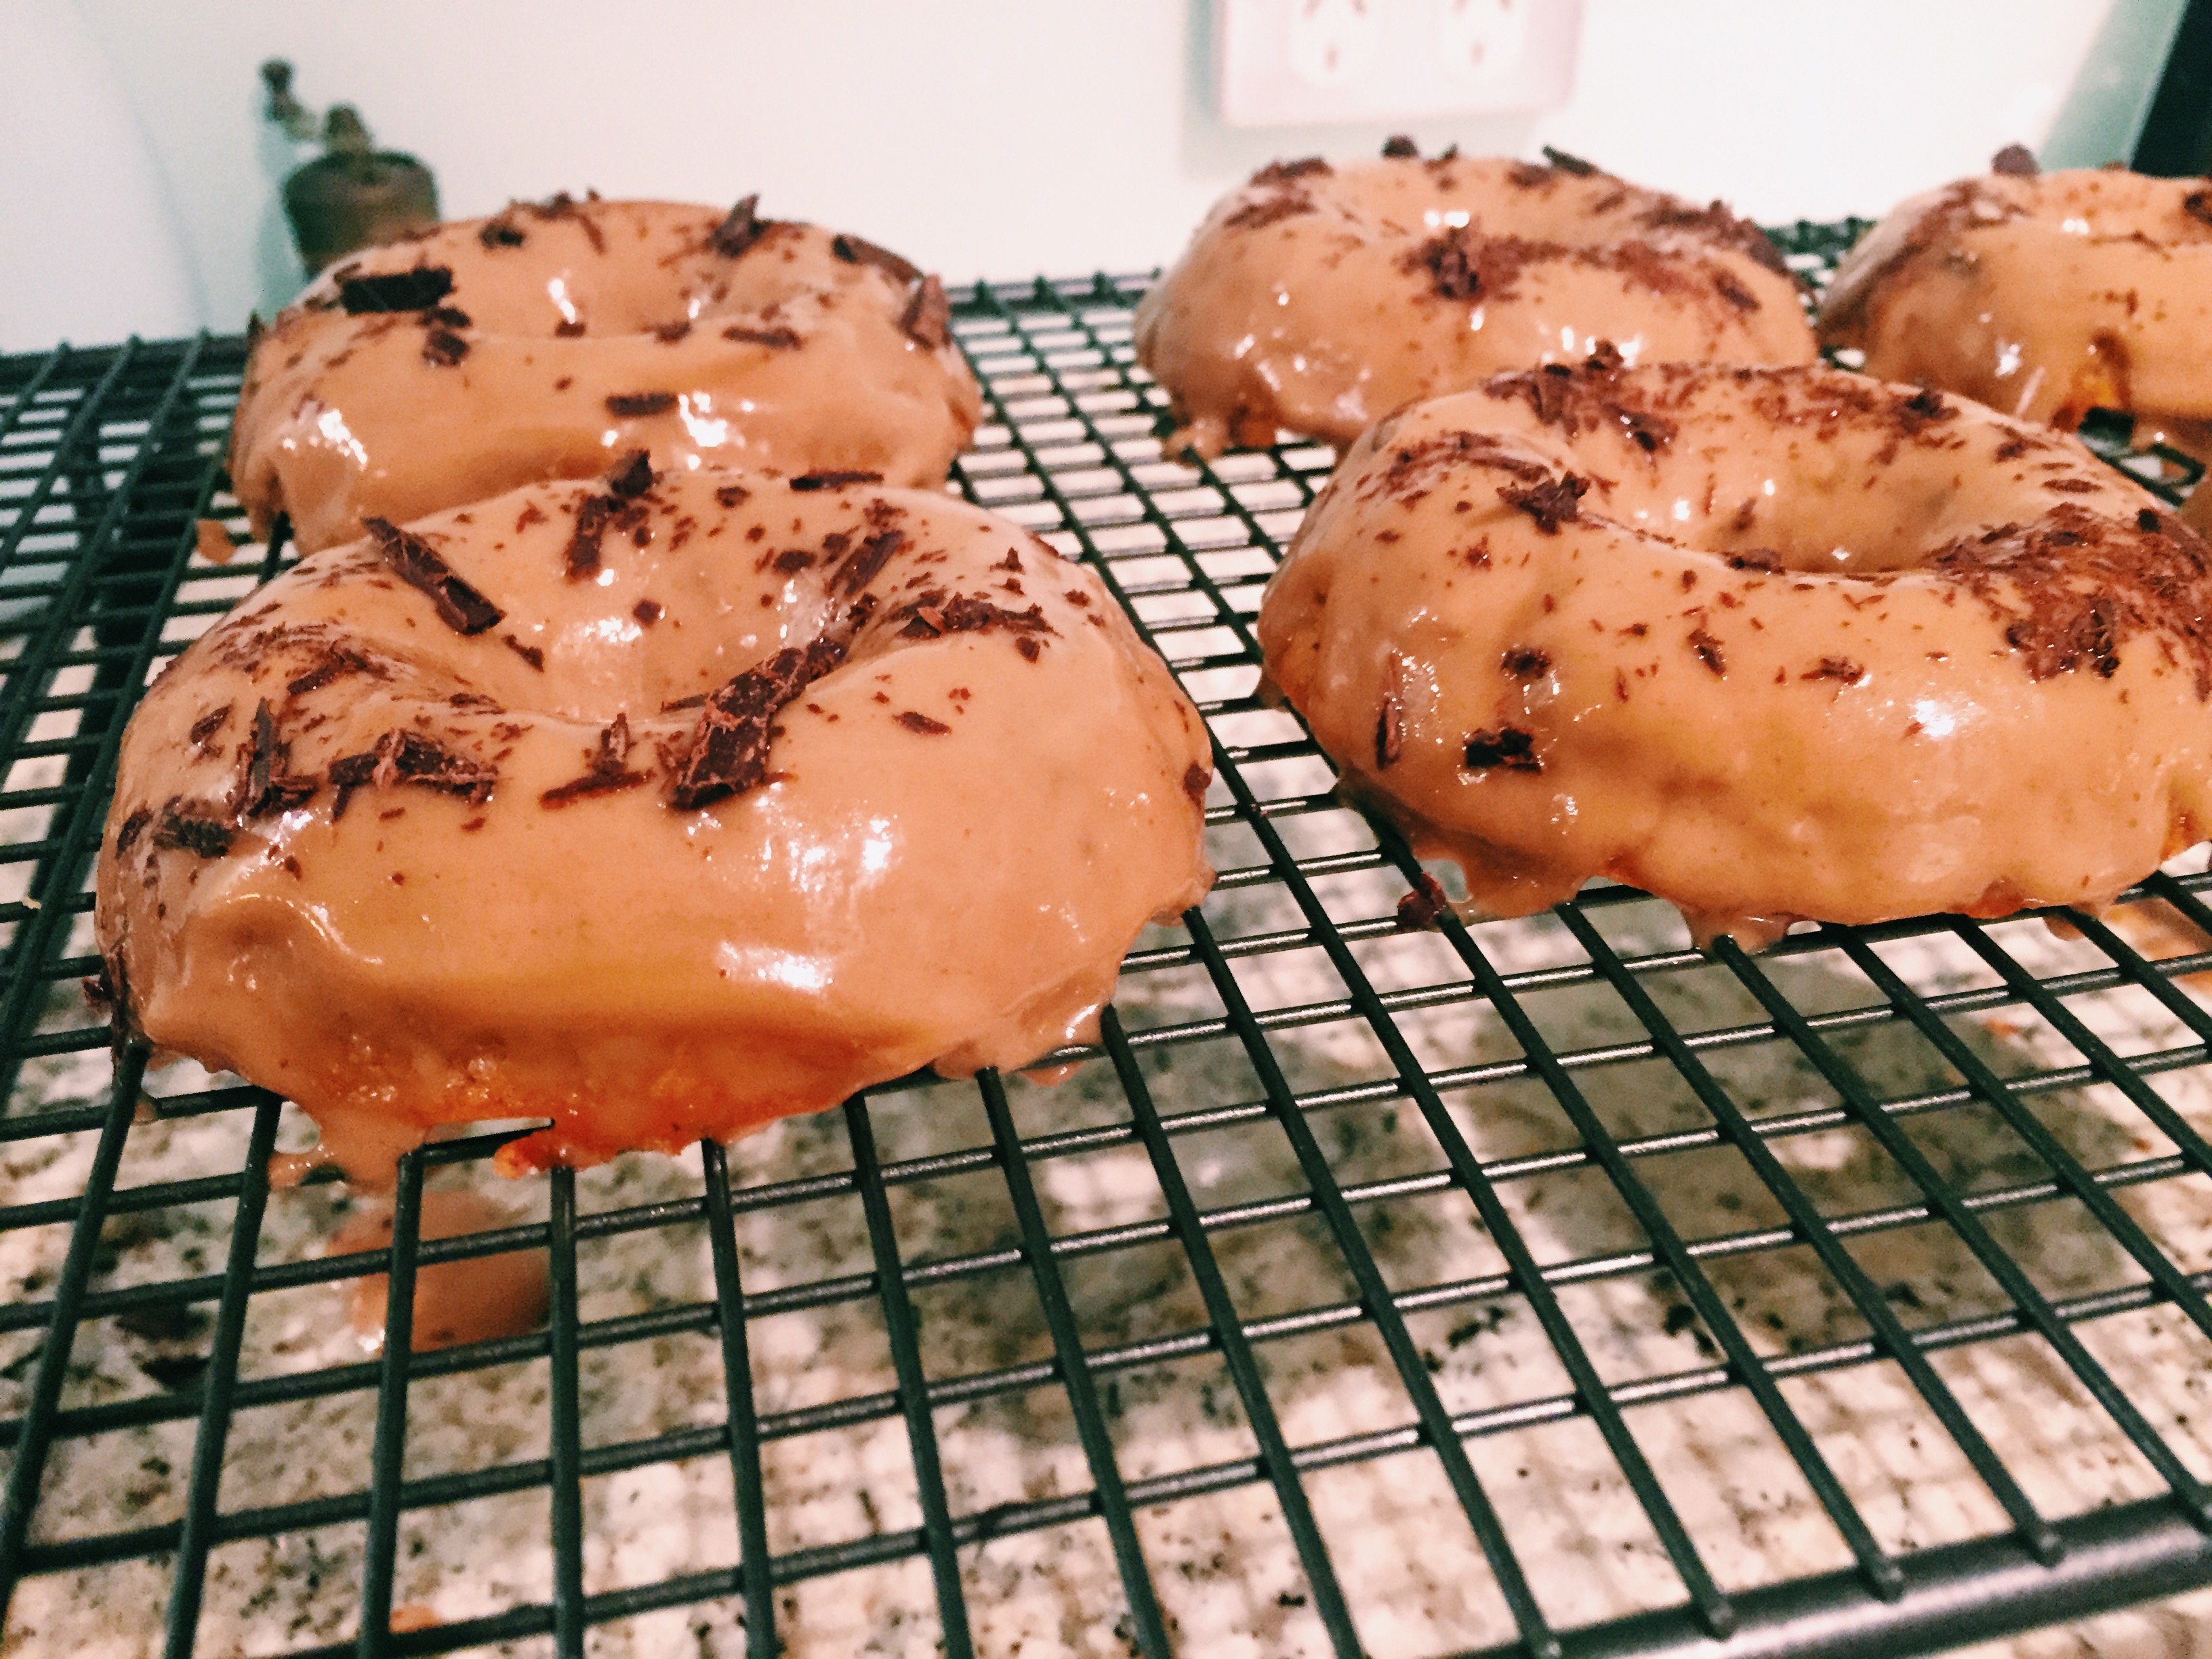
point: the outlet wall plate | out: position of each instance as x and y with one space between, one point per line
1292 62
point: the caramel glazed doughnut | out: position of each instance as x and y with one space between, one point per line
660 810
547 340
2046 296
1772 644
1319 298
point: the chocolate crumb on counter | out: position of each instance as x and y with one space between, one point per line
607 770
1398 148
459 605
2016 160
530 653
728 754
806 481
775 339
1195 778
859 251
1551 503
1566 163
197 827
914 721
1503 749
741 229
927 320
397 291
632 404
1424 908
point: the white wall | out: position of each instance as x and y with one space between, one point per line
1004 137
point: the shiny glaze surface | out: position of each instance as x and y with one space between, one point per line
345 416
2045 297
1318 298
958 835
1827 648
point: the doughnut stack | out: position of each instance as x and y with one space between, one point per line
646 742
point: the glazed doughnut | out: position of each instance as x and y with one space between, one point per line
1318 298
2045 297
545 341
1771 643
659 809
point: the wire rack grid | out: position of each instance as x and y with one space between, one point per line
1541 1287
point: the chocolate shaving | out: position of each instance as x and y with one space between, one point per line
337 662
914 720
207 725
1505 748
775 339
670 333
401 756
1423 908
1194 780
127 832
1551 503
1566 163
196 827
863 566
966 613
568 328
1709 650
629 404
729 747
595 516
2147 519
741 229
859 251
630 477
1390 731
1398 148
2015 160
395 290
732 495
530 653
648 612
1526 662
265 786
442 348
607 771
1734 292
1923 409
806 481
1281 172
500 233
562 205
1836 668
2198 205
459 606
927 319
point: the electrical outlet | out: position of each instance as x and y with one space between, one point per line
1291 62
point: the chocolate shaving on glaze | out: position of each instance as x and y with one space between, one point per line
729 747
1390 731
1709 650
568 328
1463 264
265 786
793 560
1716 224
1586 398
775 339
670 333
1762 560
807 482
1422 908
607 771
2015 160
500 233
927 319
1504 749
1398 148
459 606
395 290
1734 292
630 477
1031 649
338 661
196 827
207 725
595 516
442 348
2147 519
741 229
530 653
966 613
1551 503
732 495
916 722
2198 205
1836 668
1194 780
1923 409
1419 467
127 832
630 404
859 251
562 205
1526 662
1281 172
863 566
1272 207
1566 163
401 756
